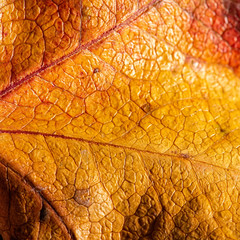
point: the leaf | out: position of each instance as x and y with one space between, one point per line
119 119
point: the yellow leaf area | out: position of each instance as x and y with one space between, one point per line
133 134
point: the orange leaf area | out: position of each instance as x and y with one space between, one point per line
119 119
33 34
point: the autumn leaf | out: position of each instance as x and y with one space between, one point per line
119 119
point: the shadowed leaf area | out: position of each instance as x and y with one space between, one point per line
119 119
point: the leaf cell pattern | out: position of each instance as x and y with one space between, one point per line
119 119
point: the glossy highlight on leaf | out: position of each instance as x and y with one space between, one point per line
119 119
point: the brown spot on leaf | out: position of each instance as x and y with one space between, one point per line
82 197
185 155
146 107
96 70
222 130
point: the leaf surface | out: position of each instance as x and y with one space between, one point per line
119 119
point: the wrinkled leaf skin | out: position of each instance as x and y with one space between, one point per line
119 119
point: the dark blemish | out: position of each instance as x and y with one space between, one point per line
96 70
43 213
146 107
82 197
222 130
185 155
81 75
1 238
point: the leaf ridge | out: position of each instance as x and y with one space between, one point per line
182 156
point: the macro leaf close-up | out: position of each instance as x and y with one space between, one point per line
119 119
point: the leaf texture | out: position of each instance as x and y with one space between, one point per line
119 119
